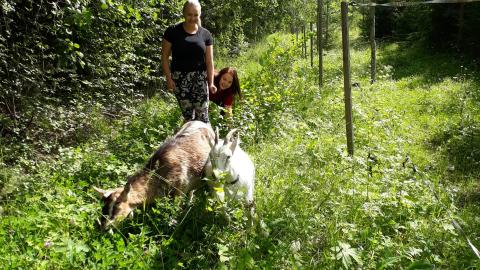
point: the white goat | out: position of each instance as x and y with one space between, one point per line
232 170
175 169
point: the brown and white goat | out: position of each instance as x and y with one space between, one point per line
175 169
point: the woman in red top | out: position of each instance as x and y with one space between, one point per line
228 86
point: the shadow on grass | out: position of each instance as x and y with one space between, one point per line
427 65
461 146
460 142
470 197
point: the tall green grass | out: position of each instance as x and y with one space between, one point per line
390 206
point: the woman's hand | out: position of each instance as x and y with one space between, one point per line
170 85
212 88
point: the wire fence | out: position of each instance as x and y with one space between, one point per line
347 83
405 4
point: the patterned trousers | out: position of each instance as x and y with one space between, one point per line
191 92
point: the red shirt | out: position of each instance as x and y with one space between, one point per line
222 98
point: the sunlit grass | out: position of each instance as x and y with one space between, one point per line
390 206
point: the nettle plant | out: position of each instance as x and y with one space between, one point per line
269 89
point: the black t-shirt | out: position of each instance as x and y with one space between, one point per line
188 50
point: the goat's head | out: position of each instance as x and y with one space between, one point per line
222 152
116 205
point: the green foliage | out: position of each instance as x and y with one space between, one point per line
273 87
238 23
145 128
60 57
390 206
452 27
63 61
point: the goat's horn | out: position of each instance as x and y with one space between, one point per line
216 135
102 192
229 135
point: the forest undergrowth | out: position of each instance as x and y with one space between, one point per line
407 199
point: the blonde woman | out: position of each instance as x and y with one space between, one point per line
190 74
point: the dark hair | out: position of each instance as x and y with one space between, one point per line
235 82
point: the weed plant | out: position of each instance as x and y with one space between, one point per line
398 203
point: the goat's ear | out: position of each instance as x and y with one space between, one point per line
127 190
102 193
228 138
234 143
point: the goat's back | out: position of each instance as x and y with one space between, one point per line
244 166
243 163
180 161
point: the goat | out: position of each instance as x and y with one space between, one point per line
176 168
231 169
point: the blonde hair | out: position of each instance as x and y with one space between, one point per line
195 3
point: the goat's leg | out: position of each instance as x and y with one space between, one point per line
190 196
250 207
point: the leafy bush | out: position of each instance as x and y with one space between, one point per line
450 27
76 56
395 204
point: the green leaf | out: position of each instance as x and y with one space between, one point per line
223 253
121 8
423 265
345 253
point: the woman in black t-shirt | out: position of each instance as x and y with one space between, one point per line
190 75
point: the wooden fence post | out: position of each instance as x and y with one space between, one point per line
373 46
296 36
304 40
327 22
320 42
311 44
347 85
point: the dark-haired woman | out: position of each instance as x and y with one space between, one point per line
227 87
